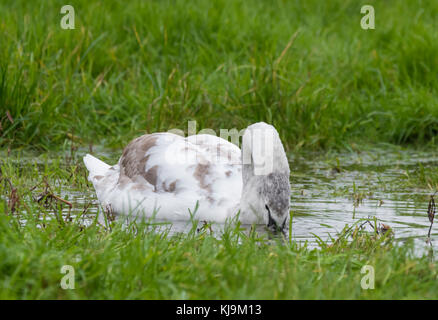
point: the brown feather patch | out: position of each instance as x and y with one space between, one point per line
134 159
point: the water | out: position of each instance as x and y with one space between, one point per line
332 190
324 199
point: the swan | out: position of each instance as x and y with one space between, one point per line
170 177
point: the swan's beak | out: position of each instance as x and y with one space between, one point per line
274 226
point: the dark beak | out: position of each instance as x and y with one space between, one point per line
271 222
273 225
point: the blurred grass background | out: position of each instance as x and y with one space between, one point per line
132 67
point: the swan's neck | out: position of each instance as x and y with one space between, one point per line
262 156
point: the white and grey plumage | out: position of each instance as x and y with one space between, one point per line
166 175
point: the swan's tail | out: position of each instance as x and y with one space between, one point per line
95 166
103 180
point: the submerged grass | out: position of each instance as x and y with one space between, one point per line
305 66
426 177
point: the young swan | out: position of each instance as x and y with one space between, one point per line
166 176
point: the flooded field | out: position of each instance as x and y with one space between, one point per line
329 194
329 191
48 208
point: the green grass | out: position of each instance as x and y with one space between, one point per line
142 66
121 265
140 262
136 263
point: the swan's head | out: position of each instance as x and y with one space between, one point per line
265 175
276 200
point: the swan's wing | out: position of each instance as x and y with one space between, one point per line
218 150
204 166
221 176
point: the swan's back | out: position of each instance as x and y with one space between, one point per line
168 174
